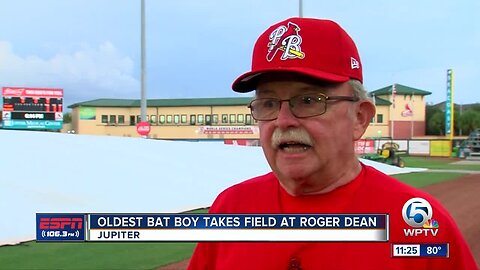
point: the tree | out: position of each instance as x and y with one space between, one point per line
434 128
436 123
464 122
469 121
67 117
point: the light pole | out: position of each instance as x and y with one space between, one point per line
143 100
300 8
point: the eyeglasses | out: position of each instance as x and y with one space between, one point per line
302 106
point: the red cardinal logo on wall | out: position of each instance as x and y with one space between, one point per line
408 111
287 40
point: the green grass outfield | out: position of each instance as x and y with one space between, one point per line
424 179
438 163
32 255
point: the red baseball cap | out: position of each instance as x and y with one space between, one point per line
313 47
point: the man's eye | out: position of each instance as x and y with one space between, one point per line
268 104
307 100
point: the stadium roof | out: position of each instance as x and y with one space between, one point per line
401 90
184 102
381 102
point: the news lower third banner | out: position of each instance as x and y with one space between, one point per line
212 227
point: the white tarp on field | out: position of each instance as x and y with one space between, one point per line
51 172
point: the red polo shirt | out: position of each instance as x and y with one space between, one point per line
370 192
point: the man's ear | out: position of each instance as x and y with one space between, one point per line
365 112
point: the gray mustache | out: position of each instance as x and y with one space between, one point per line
294 134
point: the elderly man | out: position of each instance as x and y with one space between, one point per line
311 107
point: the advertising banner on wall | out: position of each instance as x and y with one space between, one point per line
228 130
440 148
87 113
364 147
419 148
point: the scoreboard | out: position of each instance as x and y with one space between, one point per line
32 108
30 104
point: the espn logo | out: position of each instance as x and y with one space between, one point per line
60 223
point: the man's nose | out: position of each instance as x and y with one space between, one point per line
285 117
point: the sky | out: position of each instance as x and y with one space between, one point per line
194 49
106 174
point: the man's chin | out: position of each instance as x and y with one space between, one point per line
295 167
293 173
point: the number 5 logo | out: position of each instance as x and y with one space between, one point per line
416 212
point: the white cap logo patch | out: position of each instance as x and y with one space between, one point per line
287 40
354 63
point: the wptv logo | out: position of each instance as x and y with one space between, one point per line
417 213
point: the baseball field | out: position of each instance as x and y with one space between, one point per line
453 182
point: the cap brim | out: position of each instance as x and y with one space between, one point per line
248 81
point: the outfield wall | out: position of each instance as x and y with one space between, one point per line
434 148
